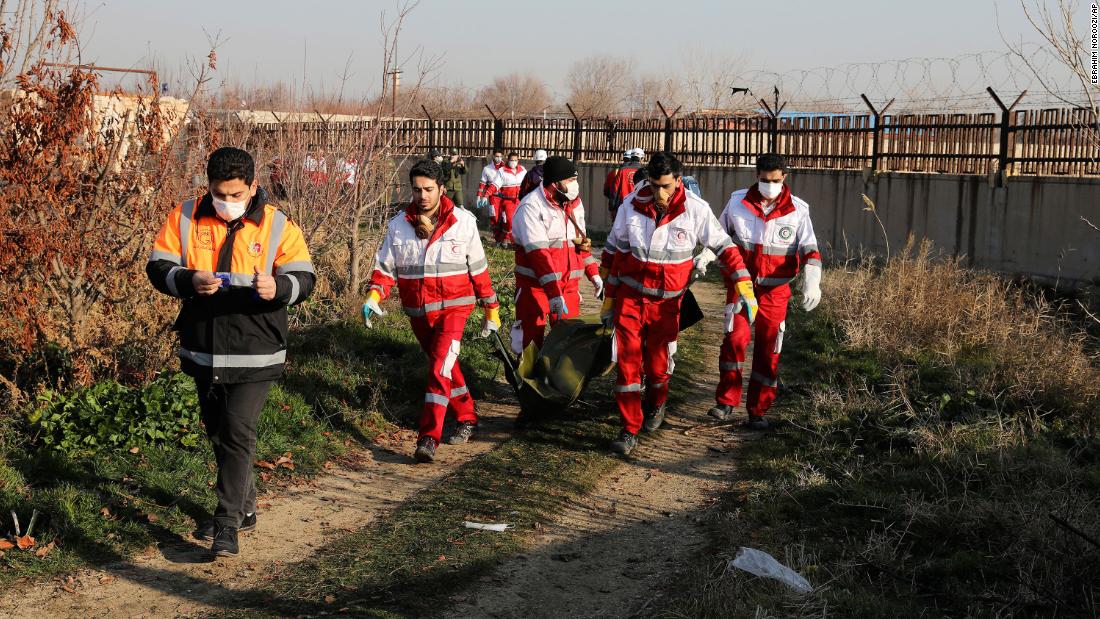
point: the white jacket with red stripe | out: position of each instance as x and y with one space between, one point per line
507 181
546 256
488 173
447 271
773 245
653 258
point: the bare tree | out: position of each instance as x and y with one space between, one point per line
1057 26
516 94
600 85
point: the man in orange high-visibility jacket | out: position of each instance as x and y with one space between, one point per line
237 263
648 258
433 254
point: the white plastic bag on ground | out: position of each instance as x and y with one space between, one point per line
762 564
487 527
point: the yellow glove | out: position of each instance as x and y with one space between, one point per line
748 299
607 312
492 321
371 308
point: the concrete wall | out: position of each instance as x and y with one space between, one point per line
1032 226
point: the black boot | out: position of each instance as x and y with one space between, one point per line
206 531
425 449
652 419
225 542
462 433
721 412
625 443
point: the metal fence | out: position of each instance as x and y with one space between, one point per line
1037 142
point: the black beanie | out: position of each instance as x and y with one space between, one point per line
557 168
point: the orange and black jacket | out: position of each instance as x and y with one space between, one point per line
231 336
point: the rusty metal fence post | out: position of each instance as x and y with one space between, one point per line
667 147
498 130
1004 159
578 133
876 131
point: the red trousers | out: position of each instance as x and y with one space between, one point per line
505 209
646 331
770 324
532 309
440 338
494 212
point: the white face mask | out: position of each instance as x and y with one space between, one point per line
770 191
439 159
498 159
512 163
572 189
230 211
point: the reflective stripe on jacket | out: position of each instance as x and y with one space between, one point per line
546 256
776 244
653 257
448 270
231 336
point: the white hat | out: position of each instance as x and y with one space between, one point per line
540 155
637 152
627 153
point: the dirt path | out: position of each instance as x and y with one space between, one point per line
179 578
612 551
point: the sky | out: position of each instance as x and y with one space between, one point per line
311 42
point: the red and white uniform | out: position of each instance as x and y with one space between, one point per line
439 280
506 184
650 263
548 263
774 244
485 190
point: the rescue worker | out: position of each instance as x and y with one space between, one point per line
552 254
454 169
774 235
433 253
487 202
506 185
609 182
533 178
648 259
237 262
629 175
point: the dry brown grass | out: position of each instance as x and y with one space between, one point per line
918 306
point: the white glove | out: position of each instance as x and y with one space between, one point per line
597 284
488 327
482 203
558 308
811 287
371 308
699 265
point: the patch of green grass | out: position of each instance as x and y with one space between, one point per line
104 506
898 489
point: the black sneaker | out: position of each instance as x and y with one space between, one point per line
462 433
425 449
653 419
625 443
209 528
757 422
225 542
721 412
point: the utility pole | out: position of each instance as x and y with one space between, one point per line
396 73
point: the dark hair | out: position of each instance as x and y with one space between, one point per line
497 150
664 163
228 163
513 154
427 169
635 158
771 161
